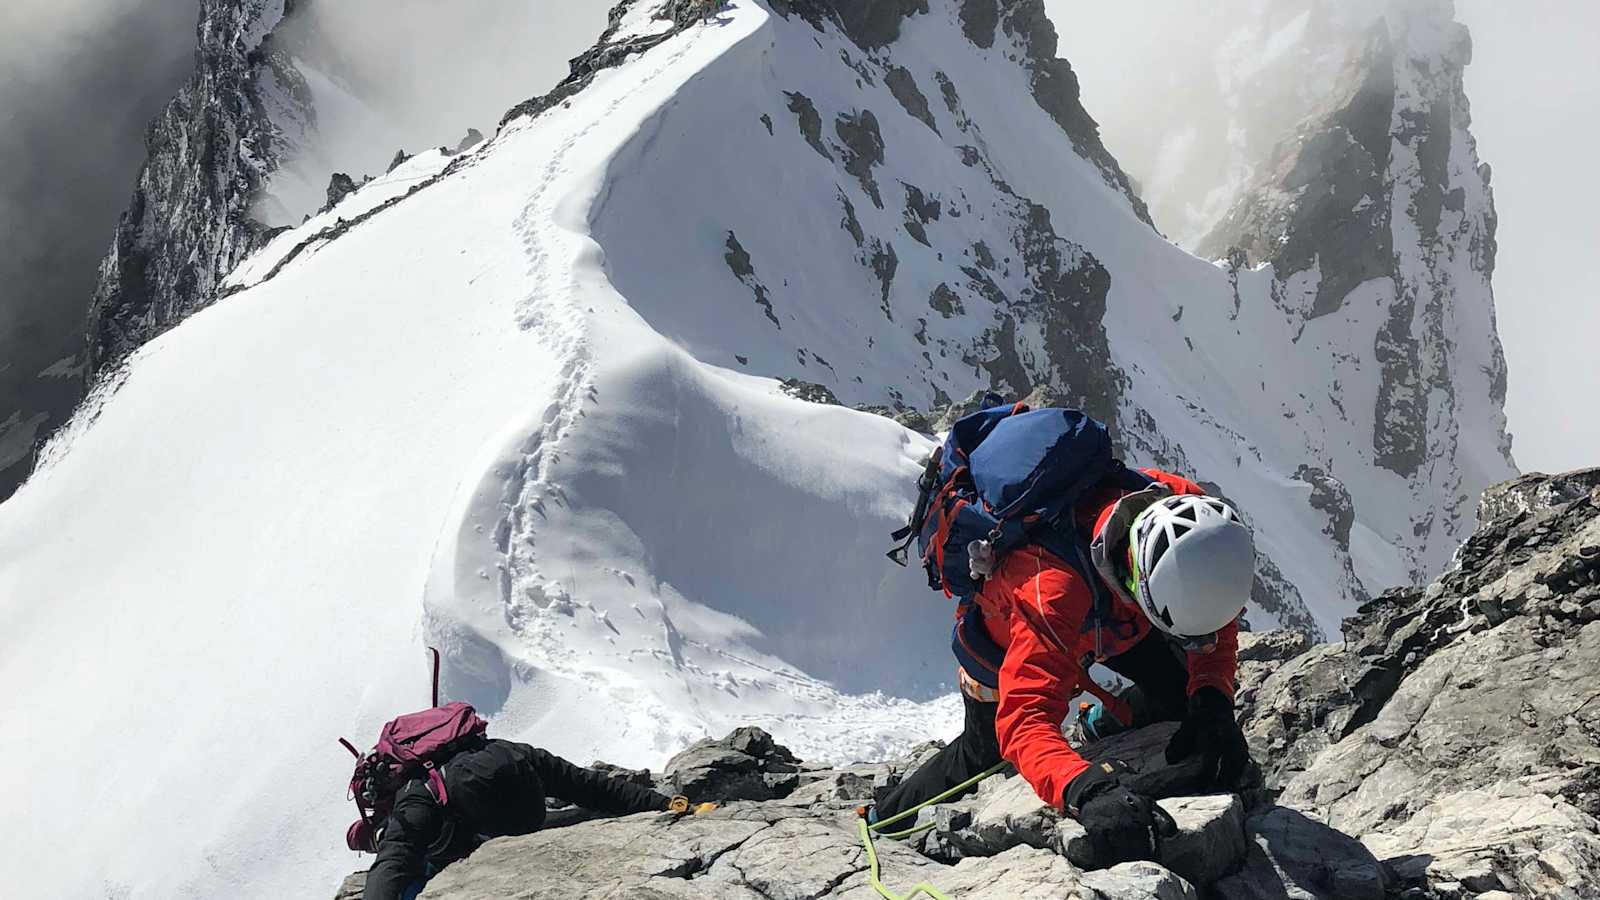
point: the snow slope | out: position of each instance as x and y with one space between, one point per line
245 540
522 404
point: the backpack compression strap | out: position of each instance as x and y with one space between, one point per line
919 514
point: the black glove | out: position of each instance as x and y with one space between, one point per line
1210 729
1123 826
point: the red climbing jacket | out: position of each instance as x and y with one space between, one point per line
1039 609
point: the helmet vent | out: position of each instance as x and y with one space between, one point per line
1158 546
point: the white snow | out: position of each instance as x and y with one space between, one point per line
507 416
250 539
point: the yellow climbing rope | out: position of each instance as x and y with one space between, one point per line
924 889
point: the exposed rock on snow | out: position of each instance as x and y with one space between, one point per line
745 765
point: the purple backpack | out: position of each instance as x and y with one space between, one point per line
411 746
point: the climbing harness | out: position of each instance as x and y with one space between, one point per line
867 828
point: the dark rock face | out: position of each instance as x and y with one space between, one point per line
809 391
1055 88
864 148
904 87
874 23
340 186
810 121
978 21
1363 194
739 263
1329 495
1335 161
211 151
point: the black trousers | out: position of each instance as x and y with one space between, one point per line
1160 693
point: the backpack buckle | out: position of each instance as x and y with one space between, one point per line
980 558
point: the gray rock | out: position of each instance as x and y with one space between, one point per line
471 139
733 768
808 391
1210 842
1534 494
863 148
353 886
1509 836
340 186
640 777
1137 881
1007 815
1271 646
810 122
1292 856
1022 873
904 87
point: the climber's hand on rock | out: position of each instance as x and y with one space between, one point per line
1122 825
1209 729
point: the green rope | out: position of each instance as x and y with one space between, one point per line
923 889
879 825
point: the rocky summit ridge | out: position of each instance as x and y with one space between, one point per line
1448 747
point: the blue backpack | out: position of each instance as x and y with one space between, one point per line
1006 476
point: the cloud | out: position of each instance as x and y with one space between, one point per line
412 74
78 81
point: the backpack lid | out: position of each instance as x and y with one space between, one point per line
1046 453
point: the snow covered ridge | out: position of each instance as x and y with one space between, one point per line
526 408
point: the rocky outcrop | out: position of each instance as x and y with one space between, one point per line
189 221
1457 729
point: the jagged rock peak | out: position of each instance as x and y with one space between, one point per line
188 223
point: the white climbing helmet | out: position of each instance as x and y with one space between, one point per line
1193 564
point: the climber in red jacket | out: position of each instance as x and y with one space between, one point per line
1178 566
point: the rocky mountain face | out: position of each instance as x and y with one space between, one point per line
992 263
211 151
1448 748
1378 199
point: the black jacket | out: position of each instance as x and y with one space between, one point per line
497 790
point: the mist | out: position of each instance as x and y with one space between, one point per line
79 79
1151 75
388 75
